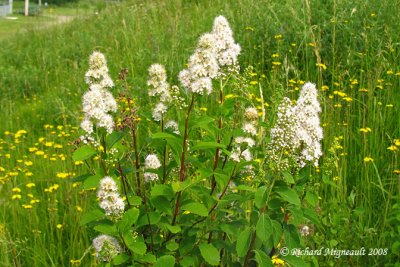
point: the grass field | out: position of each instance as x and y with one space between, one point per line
349 49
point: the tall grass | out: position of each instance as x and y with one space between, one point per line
42 82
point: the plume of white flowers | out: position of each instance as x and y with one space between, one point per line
297 130
214 50
110 199
310 131
173 125
159 87
151 162
98 102
107 247
241 149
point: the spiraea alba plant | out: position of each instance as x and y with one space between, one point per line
203 180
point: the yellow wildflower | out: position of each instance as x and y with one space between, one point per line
30 185
17 196
392 148
365 130
320 65
27 206
16 190
368 159
28 163
277 262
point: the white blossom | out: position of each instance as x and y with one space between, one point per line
173 125
107 247
159 111
249 128
152 162
251 113
149 177
110 199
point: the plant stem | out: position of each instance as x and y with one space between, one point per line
148 217
182 169
221 99
124 183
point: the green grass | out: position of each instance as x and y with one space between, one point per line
42 82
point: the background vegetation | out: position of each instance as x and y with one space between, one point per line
349 48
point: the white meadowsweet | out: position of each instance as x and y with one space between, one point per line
152 162
173 126
226 48
159 111
150 177
241 149
158 84
310 131
110 199
251 114
249 128
98 102
107 247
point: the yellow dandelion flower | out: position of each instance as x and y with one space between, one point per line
396 171
389 105
27 206
253 82
28 174
30 195
79 162
324 88
41 139
39 153
311 44
49 144
59 226
389 72
396 142
277 262
364 90
62 175
229 96
57 146
32 149
48 126
16 190
30 185
34 201
392 148
203 109
278 36
28 163
186 212
365 130
321 65
17 196
368 159
79 209
8 155
348 99
276 63
275 55
60 127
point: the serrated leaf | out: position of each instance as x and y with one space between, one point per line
277 232
207 145
196 208
128 219
83 153
260 197
91 216
288 195
243 242
108 229
291 235
173 228
262 259
120 259
113 138
136 245
165 261
264 227
162 190
209 253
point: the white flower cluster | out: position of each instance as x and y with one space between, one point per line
110 199
298 131
107 247
241 149
310 131
151 162
98 101
173 125
214 50
160 88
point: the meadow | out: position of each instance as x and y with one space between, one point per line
349 49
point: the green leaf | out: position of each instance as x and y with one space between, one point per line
81 178
153 216
288 194
262 259
311 215
196 208
120 259
288 177
180 186
162 190
108 229
172 246
161 204
295 261
136 245
207 145
83 153
174 143
113 138
91 216
135 200
187 261
311 198
277 232
128 219
291 234
243 241
209 253
92 182
165 261
260 197
173 228
264 227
